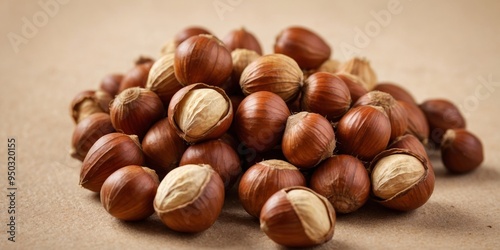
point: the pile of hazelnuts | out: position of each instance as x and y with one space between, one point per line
303 135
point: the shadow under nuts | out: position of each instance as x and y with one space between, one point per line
190 198
298 217
200 112
128 193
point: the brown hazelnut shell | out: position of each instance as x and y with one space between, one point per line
282 223
202 58
137 76
162 148
417 122
441 115
354 84
242 39
344 181
263 179
325 94
128 193
216 131
461 151
111 83
108 154
88 102
308 139
415 196
87 132
161 79
260 120
219 155
396 91
188 32
135 110
364 132
307 48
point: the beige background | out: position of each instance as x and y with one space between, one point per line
440 49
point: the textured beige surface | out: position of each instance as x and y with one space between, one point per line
433 48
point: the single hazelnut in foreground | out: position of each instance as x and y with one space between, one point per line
108 154
263 179
401 179
344 181
308 139
461 151
128 193
200 112
298 217
190 198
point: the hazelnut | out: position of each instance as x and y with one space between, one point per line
108 154
417 123
161 79
242 39
401 179
241 59
263 179
330 66
396 91
260 120
128 193
275 73
188 32
190 198
111 83
461 151
135 110
200 112
308 139
89 102
325 94
298 217
202 59
219 155
441 115
364 132
87 132
356 86
307 48
361 68
137 76
344 181
162 148
396 113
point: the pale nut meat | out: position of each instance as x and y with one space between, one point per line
395 174
202 110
